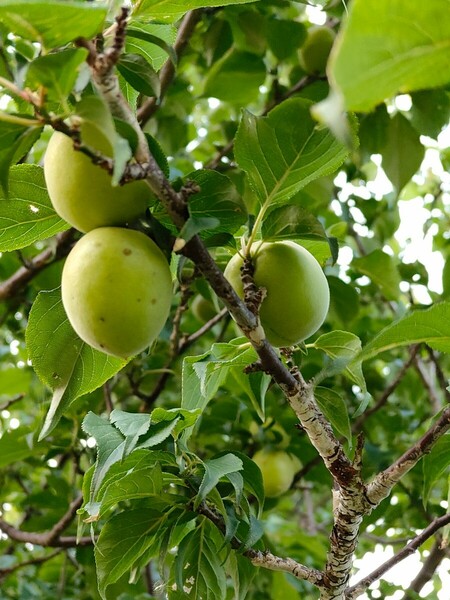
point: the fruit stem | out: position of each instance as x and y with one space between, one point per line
256 226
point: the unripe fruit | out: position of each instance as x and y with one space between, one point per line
316 49
203 309
81 192
117 290
277 469
298 296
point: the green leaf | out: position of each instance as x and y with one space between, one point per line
344 348
139 463
174 9
183 418
139 74
192 227
344 299
255 386
57 73
158 154
253 481
286 150
65 363
382 270
219 199
385 47
292 222
15 446
236 77
431 326
322 251
215 469
131 425
15 141
430 111
196 390
403 152
334 408
123 540
158 433
285 37
373 131
110 447
98 129
198 565
27 215
434 465
53 23
153 41
242 573
139 483
14 380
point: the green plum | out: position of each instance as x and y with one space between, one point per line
278 469
316 49
298 295
117 290
203 309
81 192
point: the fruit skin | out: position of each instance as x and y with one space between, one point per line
278 469
298 295
316 49
203 309
117 290
81 192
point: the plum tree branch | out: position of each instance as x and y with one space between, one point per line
266 559
380 487
51 538
410 548
17 281
38 560
429 566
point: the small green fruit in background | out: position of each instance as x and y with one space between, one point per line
298 295
316 49
117 290
203 309
278 469
81 192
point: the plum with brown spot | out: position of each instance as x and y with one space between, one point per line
117 290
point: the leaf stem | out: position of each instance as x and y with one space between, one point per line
7 118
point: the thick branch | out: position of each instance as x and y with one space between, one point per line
167 73
25 274
409 549
383 483
52 537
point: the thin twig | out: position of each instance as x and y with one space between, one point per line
266 559
49 538
359 588
24 275
388 391
38 560
383 483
